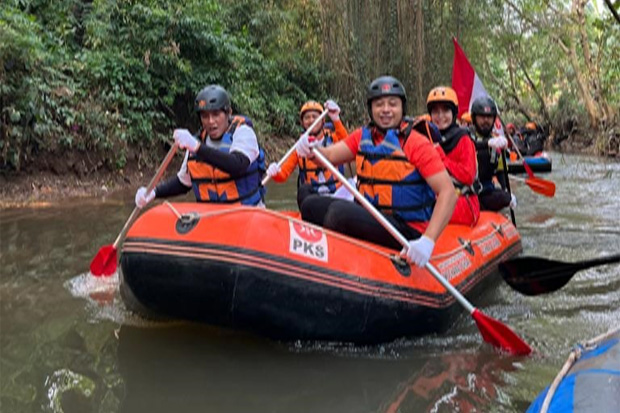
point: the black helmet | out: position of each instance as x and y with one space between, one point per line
212 97
385 86
483 105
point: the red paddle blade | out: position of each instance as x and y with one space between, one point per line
541 186
104 262
499 335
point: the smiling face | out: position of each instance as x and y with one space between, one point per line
308 119
441 115
387 112
214 122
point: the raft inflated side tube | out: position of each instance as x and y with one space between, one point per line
589 381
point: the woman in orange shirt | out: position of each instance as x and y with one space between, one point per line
313 178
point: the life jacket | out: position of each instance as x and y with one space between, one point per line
488 163
211 184
386 177
448 142
310 171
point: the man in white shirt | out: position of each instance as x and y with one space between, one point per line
223 163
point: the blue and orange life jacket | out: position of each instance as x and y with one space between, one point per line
310 171
388 180
211 184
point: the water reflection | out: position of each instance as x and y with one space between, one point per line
186 368
82 353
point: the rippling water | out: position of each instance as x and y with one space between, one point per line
66 343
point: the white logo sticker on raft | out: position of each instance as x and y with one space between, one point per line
308 241
454 266
510 231
489 245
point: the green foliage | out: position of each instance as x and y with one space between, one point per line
102 76
107 76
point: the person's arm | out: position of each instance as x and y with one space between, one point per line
171 187
343 151
287 168
441 184
233 163
423 155
340 132
177 185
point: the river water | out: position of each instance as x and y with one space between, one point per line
62 349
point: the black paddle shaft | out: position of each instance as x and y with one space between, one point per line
535 276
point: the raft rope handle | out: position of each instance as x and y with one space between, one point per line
237 209
335 234
572 358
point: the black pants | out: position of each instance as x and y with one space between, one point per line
303 192
494 200
350 218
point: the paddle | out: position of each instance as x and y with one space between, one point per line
104 263
540 186
292 149
512 211
493 331
535 276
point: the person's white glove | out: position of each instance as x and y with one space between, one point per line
304 145
419 251
333 110
185 140
273 169
513 201
498 143
142 198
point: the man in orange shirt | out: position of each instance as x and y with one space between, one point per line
313 178
398 171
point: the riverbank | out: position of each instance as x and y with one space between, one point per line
59 179
54 183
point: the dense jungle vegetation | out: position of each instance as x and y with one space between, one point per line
110 79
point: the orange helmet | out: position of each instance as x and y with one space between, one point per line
425 116
466 117
530 126
443 94
310 105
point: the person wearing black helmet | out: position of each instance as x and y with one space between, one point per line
489 152
223 162
398 171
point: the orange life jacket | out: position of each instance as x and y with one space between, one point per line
310 171
388 180
211 184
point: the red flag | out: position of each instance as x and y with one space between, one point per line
467 84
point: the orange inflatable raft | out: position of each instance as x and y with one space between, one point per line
270 273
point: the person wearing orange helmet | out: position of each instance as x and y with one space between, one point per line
398 171
534 139
466 120
517 138
313 178
457 151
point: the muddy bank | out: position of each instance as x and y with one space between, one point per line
59 179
